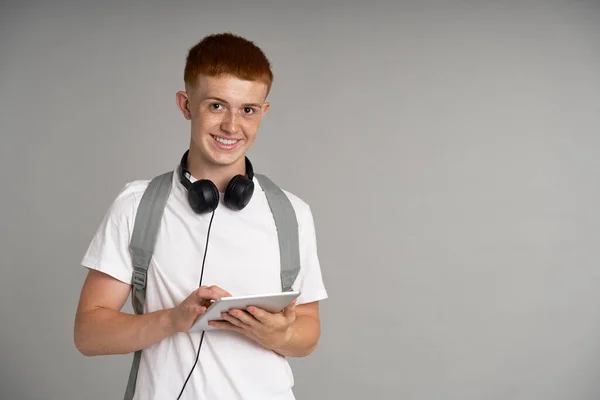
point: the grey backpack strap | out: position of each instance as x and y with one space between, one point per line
143 239
287 231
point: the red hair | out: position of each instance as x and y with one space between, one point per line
226 53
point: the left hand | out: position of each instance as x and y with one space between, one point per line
272 331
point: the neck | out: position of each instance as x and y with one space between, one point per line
220 175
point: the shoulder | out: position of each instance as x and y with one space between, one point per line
125 203
299 204
303 209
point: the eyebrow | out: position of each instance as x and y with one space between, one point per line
225 101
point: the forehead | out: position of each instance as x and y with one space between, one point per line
230 88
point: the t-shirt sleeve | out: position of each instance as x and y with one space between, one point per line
310 280
108 250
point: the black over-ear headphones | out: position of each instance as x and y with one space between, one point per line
203 194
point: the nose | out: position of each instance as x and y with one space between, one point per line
229 123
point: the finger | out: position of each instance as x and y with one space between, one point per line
205 302
194 309
225 325
200 310
234 321
245 318
210 293
290 311
222 292
260 315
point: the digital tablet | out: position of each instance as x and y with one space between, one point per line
273 302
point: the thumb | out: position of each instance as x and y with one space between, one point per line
196 309
290 310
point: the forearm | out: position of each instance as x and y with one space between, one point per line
305 333
104 331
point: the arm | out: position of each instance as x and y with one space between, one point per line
102 329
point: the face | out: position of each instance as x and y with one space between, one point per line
225 114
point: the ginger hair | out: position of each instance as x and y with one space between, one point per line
227 54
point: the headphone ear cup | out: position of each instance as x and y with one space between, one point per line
239 192
203 196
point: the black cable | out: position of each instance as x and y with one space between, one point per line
195 362
199 285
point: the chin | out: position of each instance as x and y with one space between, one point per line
226 159
219 158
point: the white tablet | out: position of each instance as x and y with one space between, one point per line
274 303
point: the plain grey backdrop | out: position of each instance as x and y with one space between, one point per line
448 149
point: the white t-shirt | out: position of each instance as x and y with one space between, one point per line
242 258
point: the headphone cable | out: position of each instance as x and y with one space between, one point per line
199 285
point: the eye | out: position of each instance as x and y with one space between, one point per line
248 110
215 106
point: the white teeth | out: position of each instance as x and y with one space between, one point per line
225 141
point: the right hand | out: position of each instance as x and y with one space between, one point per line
185 314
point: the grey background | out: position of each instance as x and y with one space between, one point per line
449 151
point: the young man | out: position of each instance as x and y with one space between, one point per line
231 251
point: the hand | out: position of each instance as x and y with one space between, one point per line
185 314
272 331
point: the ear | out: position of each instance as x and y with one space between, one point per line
183 102
265 108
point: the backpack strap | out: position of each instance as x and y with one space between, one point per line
287 231
145 231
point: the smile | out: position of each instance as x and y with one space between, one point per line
226 142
